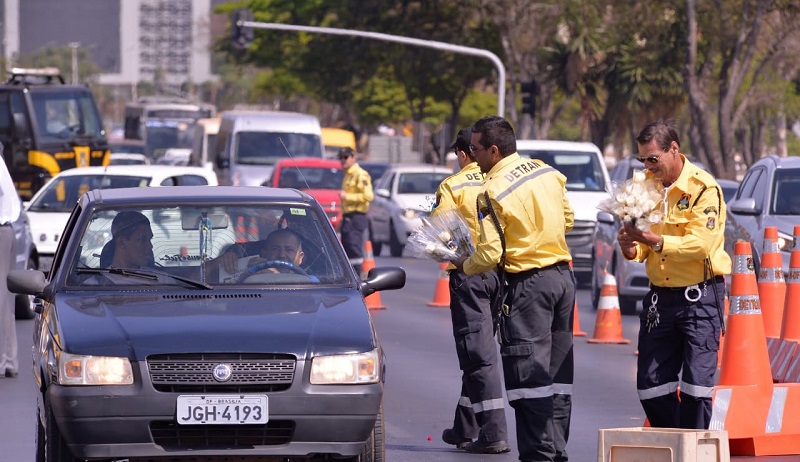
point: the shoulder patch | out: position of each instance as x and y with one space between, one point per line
711 223
683 202
711 209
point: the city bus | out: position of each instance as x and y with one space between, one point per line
164 123
47 126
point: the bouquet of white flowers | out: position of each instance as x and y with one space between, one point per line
637 202
443 237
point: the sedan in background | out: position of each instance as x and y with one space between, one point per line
768 196
50 207
403 195
374 168
321 178
189 345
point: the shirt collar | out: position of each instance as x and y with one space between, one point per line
505 161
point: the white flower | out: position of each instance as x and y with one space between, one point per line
636 202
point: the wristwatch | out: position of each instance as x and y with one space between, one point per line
659 245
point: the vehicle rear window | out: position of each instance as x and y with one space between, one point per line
582 169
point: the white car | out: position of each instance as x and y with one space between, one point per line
50 207
403 195
588 184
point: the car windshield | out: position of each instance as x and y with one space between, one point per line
311 178
582 169
62 193
163 135
420 182
786 199
65 116
264 148
204 247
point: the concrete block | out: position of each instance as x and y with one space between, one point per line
646 444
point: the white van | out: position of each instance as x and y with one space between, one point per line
204 138
588 184
250 142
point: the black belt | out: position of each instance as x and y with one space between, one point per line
714 280
560 266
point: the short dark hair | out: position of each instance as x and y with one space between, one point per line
287 232
346 152
663 131
126 221
496 131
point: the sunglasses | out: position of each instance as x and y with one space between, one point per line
473 149
651 159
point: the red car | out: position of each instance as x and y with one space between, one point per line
321 178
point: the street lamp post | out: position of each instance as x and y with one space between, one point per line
74 46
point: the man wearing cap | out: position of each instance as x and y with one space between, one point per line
356 194
480 413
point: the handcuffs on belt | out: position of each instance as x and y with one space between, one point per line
653 316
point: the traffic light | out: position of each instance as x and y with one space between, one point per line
528 91
241 36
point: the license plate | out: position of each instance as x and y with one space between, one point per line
222 409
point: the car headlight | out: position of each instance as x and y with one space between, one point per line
93 370
410 213
346 369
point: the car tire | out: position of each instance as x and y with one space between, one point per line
627 304
23 304
379 438
395 247
55 449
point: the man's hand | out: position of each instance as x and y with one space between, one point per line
628 236
459 264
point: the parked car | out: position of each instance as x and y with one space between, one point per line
374 168
127 158
768 196
175 359
587 185
403 195
632 281
50 207
322 178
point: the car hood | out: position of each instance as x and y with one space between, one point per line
298 322
784 223
421 202
51 226
585 203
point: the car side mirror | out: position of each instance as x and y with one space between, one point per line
21 128
605 217
385 278
382 192
745 206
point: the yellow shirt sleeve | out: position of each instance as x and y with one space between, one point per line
489 248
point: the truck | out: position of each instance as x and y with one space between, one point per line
47 126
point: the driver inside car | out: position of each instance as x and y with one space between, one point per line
283 245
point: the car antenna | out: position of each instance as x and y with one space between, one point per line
299 172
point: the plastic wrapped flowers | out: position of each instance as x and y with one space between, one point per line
443 237
638 202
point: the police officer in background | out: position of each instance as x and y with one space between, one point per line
524 217
685 261
356 194
480 411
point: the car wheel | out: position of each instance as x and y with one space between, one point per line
379 439
55 450
395 247
627 304
23 304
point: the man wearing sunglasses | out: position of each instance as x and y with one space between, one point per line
524 217
356 195
684 258
480 412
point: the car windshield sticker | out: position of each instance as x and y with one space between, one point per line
301 212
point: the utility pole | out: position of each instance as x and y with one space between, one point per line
74 46
241 26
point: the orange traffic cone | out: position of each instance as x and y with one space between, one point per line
790 328
373 300
771 284
442 295
239 230
608 325
576 322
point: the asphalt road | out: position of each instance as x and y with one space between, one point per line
423 381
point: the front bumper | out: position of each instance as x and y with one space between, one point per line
138 421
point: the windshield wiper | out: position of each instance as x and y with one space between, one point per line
148 274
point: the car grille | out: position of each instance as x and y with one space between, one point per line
192 373
581 234
170 435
